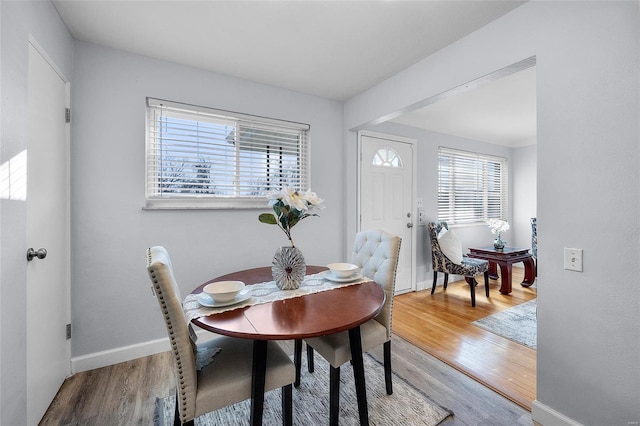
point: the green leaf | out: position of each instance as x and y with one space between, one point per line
267 218
292 218
282 212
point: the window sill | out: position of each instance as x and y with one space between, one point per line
206 204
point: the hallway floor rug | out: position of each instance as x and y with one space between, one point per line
517 323
406 406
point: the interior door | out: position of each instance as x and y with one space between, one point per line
387 196
48 288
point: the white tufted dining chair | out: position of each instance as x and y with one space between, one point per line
227 378
376 252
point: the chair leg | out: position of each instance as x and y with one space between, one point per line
435 280
334 395
310 365
472 286
176 416
486 283
287 405
297 361
387 367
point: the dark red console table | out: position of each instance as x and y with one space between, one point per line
505 258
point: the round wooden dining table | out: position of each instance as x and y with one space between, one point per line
312 315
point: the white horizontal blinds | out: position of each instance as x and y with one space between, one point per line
205 153
472 187
270 157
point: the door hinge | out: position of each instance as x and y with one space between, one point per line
68 331
67 115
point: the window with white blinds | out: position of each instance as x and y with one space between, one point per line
202 157
472 187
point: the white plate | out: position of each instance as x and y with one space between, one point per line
328 275
206 300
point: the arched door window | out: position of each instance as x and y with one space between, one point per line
386 157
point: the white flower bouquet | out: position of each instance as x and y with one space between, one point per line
497 226
290 207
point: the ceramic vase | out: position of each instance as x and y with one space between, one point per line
288 268
498 243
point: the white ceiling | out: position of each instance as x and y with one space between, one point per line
502 112
331 49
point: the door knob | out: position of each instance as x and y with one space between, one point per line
410 225
40 253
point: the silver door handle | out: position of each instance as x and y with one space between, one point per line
40 253
410 225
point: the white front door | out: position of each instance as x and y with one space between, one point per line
387 196
48 287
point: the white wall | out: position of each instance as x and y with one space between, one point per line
112 302
523 169
2 160
19 21
587 92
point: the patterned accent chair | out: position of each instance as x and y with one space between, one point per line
465 266
203 387
534 238
376 252
534 241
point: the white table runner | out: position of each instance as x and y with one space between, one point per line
267 292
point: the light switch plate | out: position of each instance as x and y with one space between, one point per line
573 259
422 221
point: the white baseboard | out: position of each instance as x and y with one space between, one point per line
127 353
544 415
428 284
422 285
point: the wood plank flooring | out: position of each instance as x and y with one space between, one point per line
120 394
125 393
440 324
471 402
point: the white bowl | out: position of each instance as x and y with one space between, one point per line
223 291
343 270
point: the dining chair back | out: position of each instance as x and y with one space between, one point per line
449 259
216 373
377 253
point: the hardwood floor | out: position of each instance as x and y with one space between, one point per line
440 324
120 394
471 402
125 394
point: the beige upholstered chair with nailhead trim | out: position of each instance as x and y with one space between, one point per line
376 252
226 379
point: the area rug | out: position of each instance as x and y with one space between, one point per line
517 323
407 405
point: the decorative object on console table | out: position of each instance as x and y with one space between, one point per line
289 207
289 268
498 226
